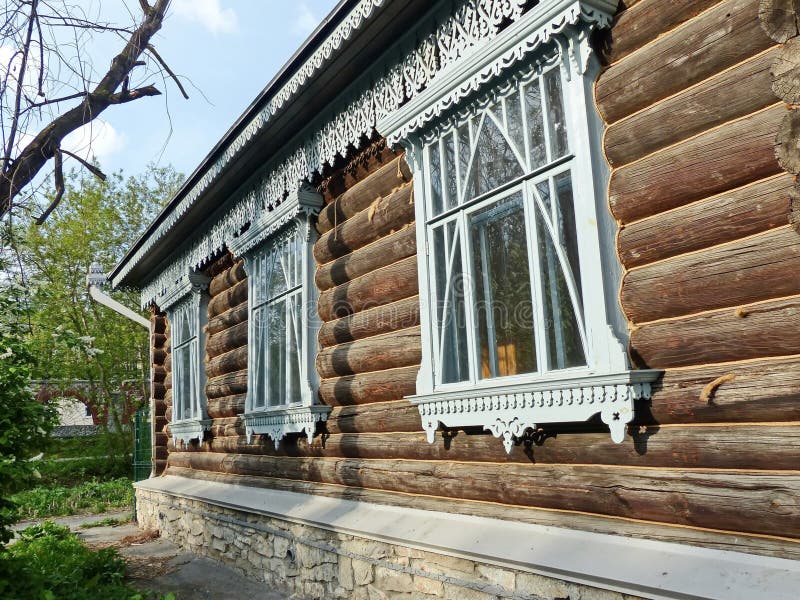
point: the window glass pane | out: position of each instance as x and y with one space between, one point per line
543 189
567 231
184 385
276 281
451 319
258 393
514 119
276 353
494 162
435 177
503 290
450 171
185 333
558 123
564 345
533 113
294 349
464 152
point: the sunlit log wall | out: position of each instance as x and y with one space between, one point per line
711 291
159 339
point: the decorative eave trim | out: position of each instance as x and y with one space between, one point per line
475 70
277 423
508 411
183 284
470 30
353 22
190 429
304 201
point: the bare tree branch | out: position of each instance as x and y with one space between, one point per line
163 63
95 171
18 172
58 175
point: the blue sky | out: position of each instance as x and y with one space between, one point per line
225 51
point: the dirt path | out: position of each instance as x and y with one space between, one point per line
161 566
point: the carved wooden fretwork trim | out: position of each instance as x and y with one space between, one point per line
511 410
470 29
191 429
280 422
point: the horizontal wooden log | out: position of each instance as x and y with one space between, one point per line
229 318
219 265
227 279
736 214
710 446
383 216
649 20
382 286
159 356
235 360
159 466
158 372
387 351
159 340
732 94
226 340
159 406
378 386
372 321
760 390
385 251
382 417
158 389
378 184
751 331
228 406
751 501
716 161
634 528
160 440
757 268
226 300
718 38
227 384
227 426
158 323
160 452
160 423
168 397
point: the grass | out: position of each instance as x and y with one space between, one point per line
89 497
49 562
108 522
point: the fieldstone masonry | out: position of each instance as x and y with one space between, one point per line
312 562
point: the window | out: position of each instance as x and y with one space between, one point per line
519 275
281 377
187 314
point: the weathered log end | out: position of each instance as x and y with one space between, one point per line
794 210
786 72
779 18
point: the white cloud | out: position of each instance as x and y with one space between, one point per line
96 139
304 21
209 14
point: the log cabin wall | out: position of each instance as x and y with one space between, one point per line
710 291
159 340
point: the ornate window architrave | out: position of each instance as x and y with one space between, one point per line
532 385
186 305
282 381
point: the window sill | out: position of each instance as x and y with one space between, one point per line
189 429
280 421
509 410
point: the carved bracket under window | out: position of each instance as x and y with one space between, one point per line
279 423
189 430
510 410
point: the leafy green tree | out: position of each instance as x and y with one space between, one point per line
24 423
74 337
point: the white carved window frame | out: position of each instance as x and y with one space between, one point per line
187 304
510 405
292 218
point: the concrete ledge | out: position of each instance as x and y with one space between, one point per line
642 567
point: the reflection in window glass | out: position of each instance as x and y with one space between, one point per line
555 104
503 292
450 172
494 162
451 321
533 108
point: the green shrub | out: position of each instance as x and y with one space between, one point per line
48 562
92 496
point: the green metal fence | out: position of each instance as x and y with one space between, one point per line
142 444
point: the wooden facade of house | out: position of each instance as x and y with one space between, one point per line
698 100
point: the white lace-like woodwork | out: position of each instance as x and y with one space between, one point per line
469 30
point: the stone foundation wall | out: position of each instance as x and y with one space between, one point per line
312 562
